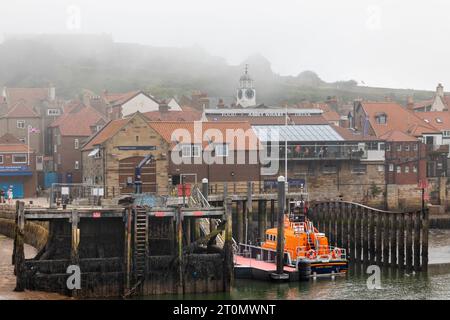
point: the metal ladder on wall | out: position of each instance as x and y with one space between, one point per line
140 241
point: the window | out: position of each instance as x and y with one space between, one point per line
380 168
53 112
388 147
391 167
407 147
1 159
55 148
77 165
415 147
190 150
359 168
414 169
76 144
221 150
20 124
99 127
19 158
399 147
382 146
406 169
137 138
438 120
399 169
372 146
23 140
446 133
381 119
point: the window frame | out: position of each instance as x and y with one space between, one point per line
19 155
76 144
224 147
53 112
22 122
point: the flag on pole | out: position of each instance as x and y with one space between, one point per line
33 130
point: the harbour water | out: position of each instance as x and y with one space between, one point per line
434 285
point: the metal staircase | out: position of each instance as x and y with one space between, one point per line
140 240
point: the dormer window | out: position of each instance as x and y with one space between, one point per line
438 120
381 118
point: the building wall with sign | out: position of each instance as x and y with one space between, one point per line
21 176
135 139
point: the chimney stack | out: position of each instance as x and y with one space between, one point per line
220 105
440 90
163 106
410 103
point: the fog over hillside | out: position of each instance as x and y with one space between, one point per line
97 62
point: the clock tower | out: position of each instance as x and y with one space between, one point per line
246 93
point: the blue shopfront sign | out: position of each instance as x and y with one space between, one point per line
15 171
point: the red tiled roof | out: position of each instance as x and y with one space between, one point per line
9 143
29 95
439 119
77 121
352 135
21 110
108 131
166 130
398 136
116 99
398 118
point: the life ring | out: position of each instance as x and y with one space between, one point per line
336 253
311 254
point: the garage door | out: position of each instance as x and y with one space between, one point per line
126 175
17 188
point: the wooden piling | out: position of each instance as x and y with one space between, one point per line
365 236
280 227
261 229
128 253
417 223
345 225
424 265
249 208
339 224
19 253
371 236
378 243
272 213
332 239
352 233
358 244
386 240
228 247
240 221
394 226
401 241
409 230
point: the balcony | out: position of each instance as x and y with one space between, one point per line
322 152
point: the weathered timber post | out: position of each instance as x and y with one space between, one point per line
345 217
264 219
240 221
401 241
386 236
365 234
371 235
74 254
425 240
19 254
261 230
127 256
333 224
272 213
249 210
228 246
394 240
379 249
352 233
180 250
339 224
417 223
358 244
326 220
409 229
205 193
280 234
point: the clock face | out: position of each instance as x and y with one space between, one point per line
240 94
249 93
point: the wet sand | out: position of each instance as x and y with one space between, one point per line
8 280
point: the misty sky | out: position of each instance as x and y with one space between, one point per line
402 44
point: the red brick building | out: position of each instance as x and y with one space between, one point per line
69 132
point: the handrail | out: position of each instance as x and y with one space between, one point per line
316 203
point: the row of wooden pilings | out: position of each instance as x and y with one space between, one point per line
371 236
